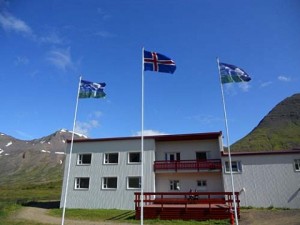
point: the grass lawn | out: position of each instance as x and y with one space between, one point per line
124 216
12 199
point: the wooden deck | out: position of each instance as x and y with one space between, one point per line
186 206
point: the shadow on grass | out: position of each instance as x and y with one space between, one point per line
43 205
124 216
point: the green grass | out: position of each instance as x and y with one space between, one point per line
124 216
12 198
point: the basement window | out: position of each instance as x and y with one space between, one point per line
84 159
235 165
82 183
297 165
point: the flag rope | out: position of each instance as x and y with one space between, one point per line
70 158
228 145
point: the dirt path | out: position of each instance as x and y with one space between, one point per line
270 217
248 217
40 215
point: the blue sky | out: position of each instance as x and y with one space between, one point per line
46 46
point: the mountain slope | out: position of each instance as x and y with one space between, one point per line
33 162
279 130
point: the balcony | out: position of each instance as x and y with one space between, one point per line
191 165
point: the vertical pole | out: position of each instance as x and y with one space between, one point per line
70 157
142 144
228 145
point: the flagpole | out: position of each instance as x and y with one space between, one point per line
71 149
142 145
228 145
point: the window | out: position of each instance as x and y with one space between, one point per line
235 165
174 185
297 165
84 159
134 157
172 156
109 182
133 182
82 183
201 156
202 185
111 158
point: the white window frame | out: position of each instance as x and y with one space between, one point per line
105 183
134 177
235 165
172 156
80 159
106 158
297 165
174 185
130 162
77 185
202 185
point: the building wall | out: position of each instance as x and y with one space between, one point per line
188 181
95 196
268 180
188 149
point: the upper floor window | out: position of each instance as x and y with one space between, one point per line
174 185
201 156
84 159
172 156
109 182
297 165
82 183
111 158
235 165
133 182
134 157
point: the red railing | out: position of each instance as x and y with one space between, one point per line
210 164
210 199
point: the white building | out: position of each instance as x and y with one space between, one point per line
265 179
106 172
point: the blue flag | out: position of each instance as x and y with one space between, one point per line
157 62
91 90
230 73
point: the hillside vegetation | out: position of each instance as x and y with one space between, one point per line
278 130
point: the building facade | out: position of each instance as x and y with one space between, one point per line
265 179
105 172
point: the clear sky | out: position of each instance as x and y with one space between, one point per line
46 45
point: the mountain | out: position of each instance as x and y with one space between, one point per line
278 130
35 161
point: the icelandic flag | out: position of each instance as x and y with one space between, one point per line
91 89
154 61
230 73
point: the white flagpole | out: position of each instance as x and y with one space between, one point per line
228 146
142 145
71 149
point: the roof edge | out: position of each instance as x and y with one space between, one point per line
165 137
283 152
